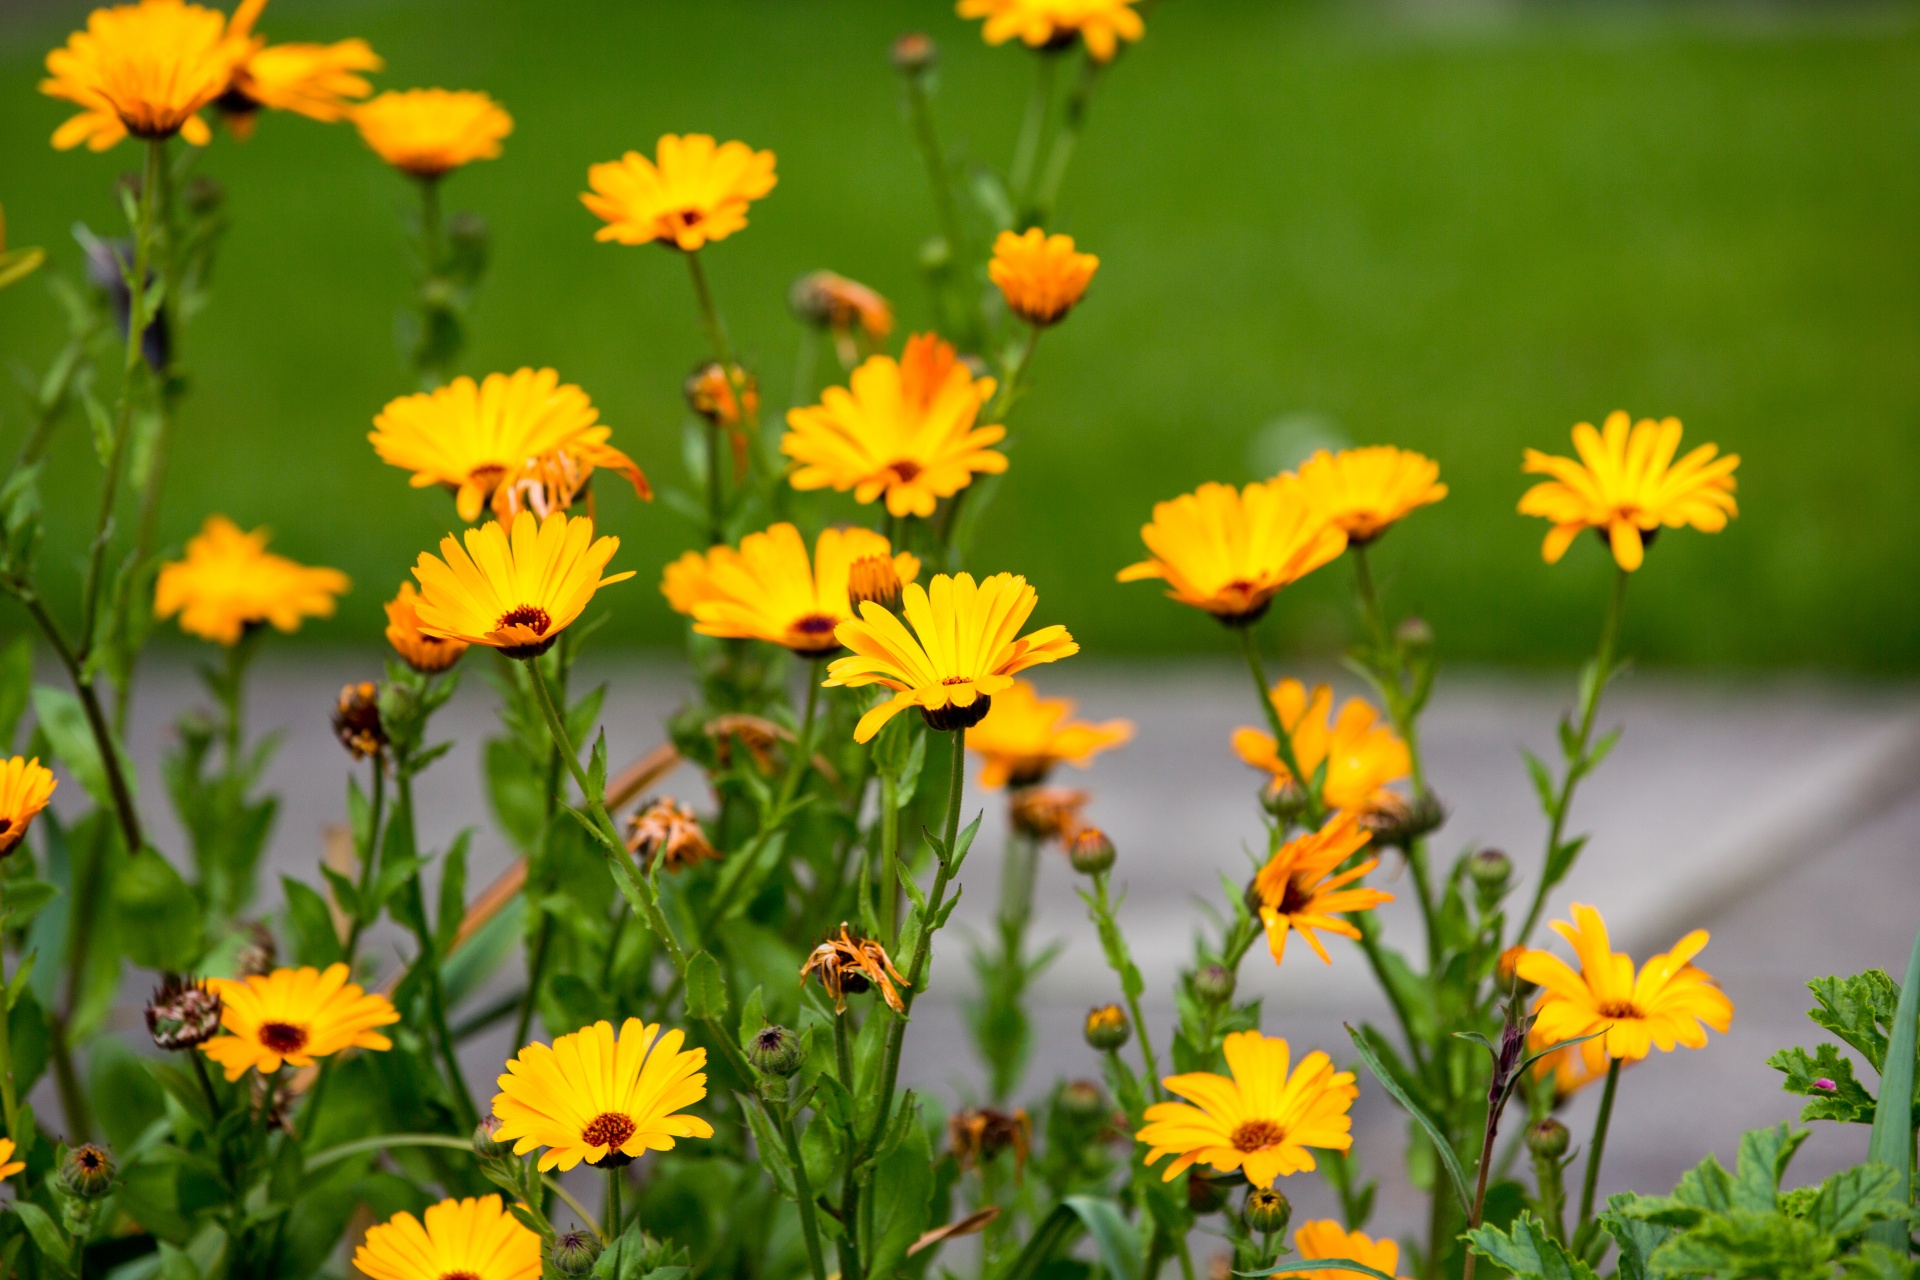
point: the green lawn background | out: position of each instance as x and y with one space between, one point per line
1456 236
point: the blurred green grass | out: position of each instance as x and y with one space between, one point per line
1460 237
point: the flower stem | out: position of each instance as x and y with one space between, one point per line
430 957
1114 944
368 855
1073 119
782 1118
939 176
1283 741
613 1226
1026 148
717 336
1598 1147
9 1095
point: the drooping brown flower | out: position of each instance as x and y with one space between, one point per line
848 966
979 1134
356 720
182 1012
669 831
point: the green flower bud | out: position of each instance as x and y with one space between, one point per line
575 1252
775 1050
88 1171
1107 1027
1267 1212
1090 851
1214 984
1548 1140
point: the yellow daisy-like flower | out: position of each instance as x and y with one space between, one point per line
319 81
1626 485
1025 735
594 1098
294 1016
1664 1006
475 437
1362 754
470 1239
1230 551
8 1165
1042 277
1365 491
145 69
230 581
965 651
1326 1238
1263 1122
25 788
696 191
1042 24
514 593
429 133
767 591
424 653
1300 892
903 428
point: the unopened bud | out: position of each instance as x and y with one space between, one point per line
1107 1027
1288 801
88 1171
1397 821
1214 984
1090 851
1826 1085
873 579
258 956
775 1050
1491 870
575 1252
1548 1139
1267 1212
356 720
1084 1100
1413 633
485 1145
914 52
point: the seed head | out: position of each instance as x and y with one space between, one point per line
182 1013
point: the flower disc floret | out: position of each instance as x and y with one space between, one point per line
515 593
474 1239
428 133
145 69
229 581
1230 551
1366 491
294 1016
694 191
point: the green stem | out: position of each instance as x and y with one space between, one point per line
1598 1147
536 969
430 363
1110 926
613 1228
1073 119
430 957
889 859
723 352
368 856
803 1187
1283 741
1553 1194
9 1096
1370 944
1033 124
939 175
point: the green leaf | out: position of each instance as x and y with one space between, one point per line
157 914
1826 1077
48 1238
1448 1158
1706 1186
771 1148
16 683
1636 1238
1852 1198
1855 1009
64 721
1114 1240
453 893
314 940
517 793
1764 1154
902 1187
1892 1141
706 987
753 1015
1528 1251
964 842
22 899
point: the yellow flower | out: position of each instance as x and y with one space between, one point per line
1025 735
429 133
515 594
1362 755
1101 24
594 1098
319 81
965 652
1262 1121
230 581
1627 485
1326 1239
1299 889
767 591
695 192
1664 1006
1365 491
144 69
1229 551
473 438
1567 1068
424 653
25 788
905 429
470 1239
8 1165
294 1016
1040 276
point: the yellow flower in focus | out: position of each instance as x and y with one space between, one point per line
1627 485
694 192
1362 754
1051 24
1262 1122
1230 551
472 1239
429 133
8 1165
294 1016
514 593
901 428
1664 1006
962 650
1365 491
1299 890
424 653
25 788
1025 735
603 1100
144 69
229 581
1325 1238
1041 276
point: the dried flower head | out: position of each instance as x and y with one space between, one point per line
849 965
669 831
356 720
980 1134
1047 813
756 735
182 1013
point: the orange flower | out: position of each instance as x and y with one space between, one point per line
1362 755
836 303
229 581
1040 276
1365 491
1326 1239
319 81
429 133
424 653
1299 890
144 69
1050 24
848 965
1025 735
695 191
1230 551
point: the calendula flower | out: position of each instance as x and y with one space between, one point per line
1025 735
428 133
1567 1068
848 966
901 428
1626 486
724 397
693 192
1326 1238
470 1239
875 578
1362 755
1053 24
1264 1121
1665 1005
474 437
1299 889
1366 491
1230 551
669 831
229 581
319 81
426 654
964 653
25 788
145 69
294 1016
843 307
514 593
551 482
1042 277
594 1098
8 1165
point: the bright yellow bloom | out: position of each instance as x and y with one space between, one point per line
1300 892
1326 1239
695 192
1365 491
8 1165
25 788
319 81
905 429
229 581
431 132
1566 1066
1362 755
1627 484
1664 1006
1101 24
144 69
1229 551
473 438
965 652
1262 1121
594 1098
1041 276
515 594
470 1239
1025 735
294 1016
767 591
424 653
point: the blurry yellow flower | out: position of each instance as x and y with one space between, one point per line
1362 755
230 581
1040 276
294 1016
144 69
1300 892
8 1165
1326 1239
1025 735
25 788
1567 1068
515 594
1101 24
424 653
1627 485
1365 491
1047 813
471 1239
319 81
429 133
695 192
905 429
1229 551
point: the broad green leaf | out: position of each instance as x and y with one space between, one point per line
1858 1010
1764 1155
1448 1159
64 721
16 683
453 893
48 1238
1852 1198
706 987
157 915
22 899
314 939
1824 1077
1114 1240
1706 1186
902 1185
1636 1238
1529 1251
1892 1140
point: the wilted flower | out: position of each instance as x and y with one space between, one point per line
1046 813
979 1134
669 831
843 307
848 965
356 720
755 734
182 1013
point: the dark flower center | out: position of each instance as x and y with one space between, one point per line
956 680
89 1158
609 1129
1295 899
1258 1135
1618 1009
906 469
531 616
487 475
691 217
817 624
458 1275
6 825
283 1037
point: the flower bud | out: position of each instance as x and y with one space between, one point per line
203 196
1414 634
356 720
720 396
485 1145
182 1013
1288 801
258 956
1090 851
1398 821
1548 1139
1267 1212
575 1252
914 52
88 1171
1107 1027
775 1050
1214 984
1084 1100
1491 870
1046 813
875 579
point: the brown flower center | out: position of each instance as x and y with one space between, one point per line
6 825
283 1037
1295 899
1257 1135
609 1129
487 475
531 616
1618 1009
957 680
691 217
458 1275
906 469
